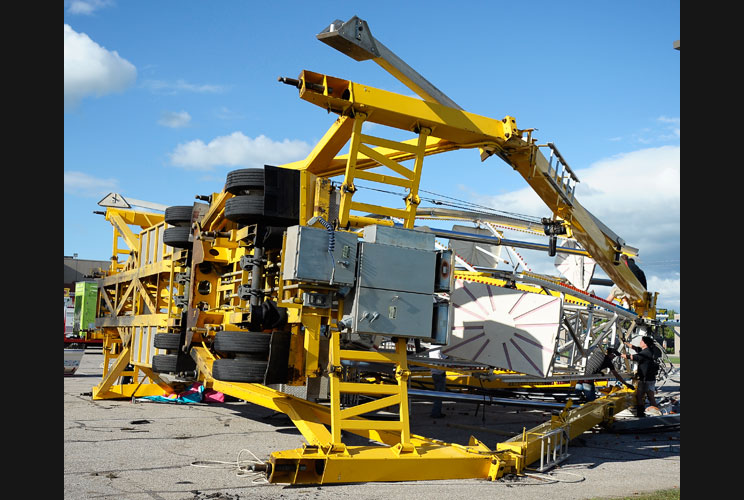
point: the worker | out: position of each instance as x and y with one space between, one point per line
586 387
440 384
646 356
616 293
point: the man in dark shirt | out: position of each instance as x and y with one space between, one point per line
616 293
586 387
648 368
637 271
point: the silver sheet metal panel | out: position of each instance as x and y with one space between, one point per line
394 292
393 312
396 268
399 237
307 257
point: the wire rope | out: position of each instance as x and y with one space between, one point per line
459 204
242 470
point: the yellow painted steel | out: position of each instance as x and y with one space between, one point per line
484 278
500 137
310 418
138 296
395 394
407 113
326 458
574 421
431 459
406 178
136 300
109 389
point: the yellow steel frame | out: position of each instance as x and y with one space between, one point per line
390 395
136 301
457 129
401 456
325 459
406 178
138 297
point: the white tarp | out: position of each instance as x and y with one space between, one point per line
577 269
503 327
476 254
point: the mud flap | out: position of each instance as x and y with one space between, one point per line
277 371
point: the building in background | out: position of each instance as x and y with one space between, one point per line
80 281
82 270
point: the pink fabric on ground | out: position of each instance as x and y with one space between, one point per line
212 396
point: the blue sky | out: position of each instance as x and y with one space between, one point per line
162 99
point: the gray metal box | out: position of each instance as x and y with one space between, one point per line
442 323
396 268
306 256
391 312
399 237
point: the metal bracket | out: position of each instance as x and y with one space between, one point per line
245 292
248 261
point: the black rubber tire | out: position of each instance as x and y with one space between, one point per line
179 215
172 363
177 237
594 362
244 178
242 342
246 209
167 341
239 370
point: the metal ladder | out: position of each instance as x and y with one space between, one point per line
553 448
391 394
407 178
561 177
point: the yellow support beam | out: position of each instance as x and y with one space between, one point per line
462 129
435 460
413 200
347 188
384 160
312 324
401 153
375 405
409 113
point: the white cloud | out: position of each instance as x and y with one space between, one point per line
636 195
91 70
662 130
174 119
669 291
87 7
237 150
171 88
671 127
225 113
82 184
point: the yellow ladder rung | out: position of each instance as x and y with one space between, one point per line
387 143
380 210
370 406
384 160
382 179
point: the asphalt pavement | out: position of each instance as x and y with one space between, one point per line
117 449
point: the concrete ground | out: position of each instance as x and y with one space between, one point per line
124 450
